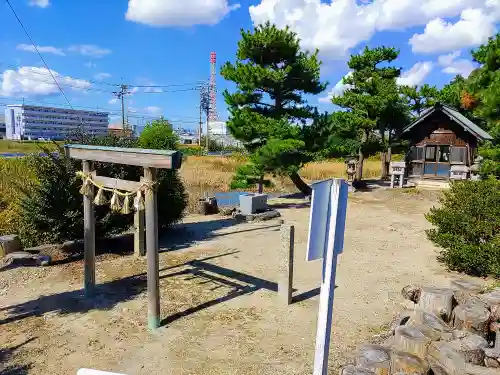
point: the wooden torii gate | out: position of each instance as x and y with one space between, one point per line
150 160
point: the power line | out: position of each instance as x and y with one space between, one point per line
116 112
39 54
193 85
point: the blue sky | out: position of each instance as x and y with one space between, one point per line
92 44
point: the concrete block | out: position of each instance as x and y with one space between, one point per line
253 203
9 244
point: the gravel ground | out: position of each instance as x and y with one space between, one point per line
219 305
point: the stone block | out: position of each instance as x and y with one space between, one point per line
9 244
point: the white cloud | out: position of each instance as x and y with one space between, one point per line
101 76
178 13
113 101
416 75
474 28
453 65
35 81
42 49
337 90
153 89
89 50
40 3
134 90
153 110
337 26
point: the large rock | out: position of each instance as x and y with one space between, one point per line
9 244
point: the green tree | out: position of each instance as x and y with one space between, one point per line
159 135
51 206
451 93
267 110
466 227
420 98
481 98
372 101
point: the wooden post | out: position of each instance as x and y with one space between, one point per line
285 261
152 248
139 234
89 235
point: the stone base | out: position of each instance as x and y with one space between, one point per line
260 216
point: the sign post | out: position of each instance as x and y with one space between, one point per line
326 241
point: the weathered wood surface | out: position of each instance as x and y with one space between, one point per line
443 358
9 244
471 369
129 156
472 348
89 235
152 249
408 363
354 370
492 357
285 264
411 340
139 233
432 326
376 358
423 340
411 292
436 300
116 183
465 288
471 316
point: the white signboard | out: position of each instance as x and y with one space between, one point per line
326 241
327 217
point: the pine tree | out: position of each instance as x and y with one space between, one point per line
268 112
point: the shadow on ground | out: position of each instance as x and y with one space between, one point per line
186 235
104 297
109 294
7 354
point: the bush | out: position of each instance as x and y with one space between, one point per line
52 206
467 227
172 197
158 135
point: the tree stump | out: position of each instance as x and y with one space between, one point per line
463 289
354 370
407 363
492 357
471 347
472 316
444 360
437 300
411 292
411 340
479 370
9 244
430 325
401 319
492 300
375 358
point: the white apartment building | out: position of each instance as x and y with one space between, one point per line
36 122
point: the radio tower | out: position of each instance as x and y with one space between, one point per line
212 90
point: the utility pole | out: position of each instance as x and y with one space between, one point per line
204 108
121 95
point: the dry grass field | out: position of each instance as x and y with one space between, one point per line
214 173
200 174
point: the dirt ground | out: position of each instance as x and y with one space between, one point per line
219 305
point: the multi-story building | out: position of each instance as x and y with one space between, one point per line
35 122
2 126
